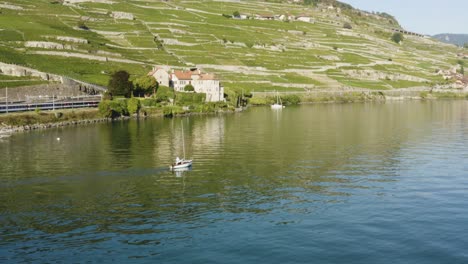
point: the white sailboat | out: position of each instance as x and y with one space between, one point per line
181 163
278 104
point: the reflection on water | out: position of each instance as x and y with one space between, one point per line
333 182
180 172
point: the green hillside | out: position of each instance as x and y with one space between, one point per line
251 53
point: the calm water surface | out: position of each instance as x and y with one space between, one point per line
330 183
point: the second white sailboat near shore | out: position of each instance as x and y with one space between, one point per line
278 104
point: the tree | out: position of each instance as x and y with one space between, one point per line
397 37
119 84
164 93
133 106
145 85
112 109
236 14
189 88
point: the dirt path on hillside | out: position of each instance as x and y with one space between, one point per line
84 56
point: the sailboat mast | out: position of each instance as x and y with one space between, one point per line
183 140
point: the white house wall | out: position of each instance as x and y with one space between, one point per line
162 77
214 92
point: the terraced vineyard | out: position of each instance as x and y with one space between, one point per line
251 54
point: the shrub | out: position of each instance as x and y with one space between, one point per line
397 37
261 100
81 24
133 106
211 107
189 88
149 102
291 99
107 96
424 95
170 111
347 25
113 109
120 107
190 98
164 93
105 109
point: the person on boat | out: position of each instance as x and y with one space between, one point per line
178 161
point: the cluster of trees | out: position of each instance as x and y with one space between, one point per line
162 98
117 108
120 85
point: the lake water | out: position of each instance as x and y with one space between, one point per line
324 183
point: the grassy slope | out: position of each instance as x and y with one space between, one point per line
248 54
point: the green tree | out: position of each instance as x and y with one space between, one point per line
164 93
112 109
119 84
105 109
145 85
236 14
133 106
189 88
397 37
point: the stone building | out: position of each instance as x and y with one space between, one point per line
202 82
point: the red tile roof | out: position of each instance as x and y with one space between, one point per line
183 75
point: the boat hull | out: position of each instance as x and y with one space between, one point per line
277 106
184 164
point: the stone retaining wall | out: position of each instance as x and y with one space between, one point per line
27 93
66 87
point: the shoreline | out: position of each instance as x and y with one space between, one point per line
8 130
